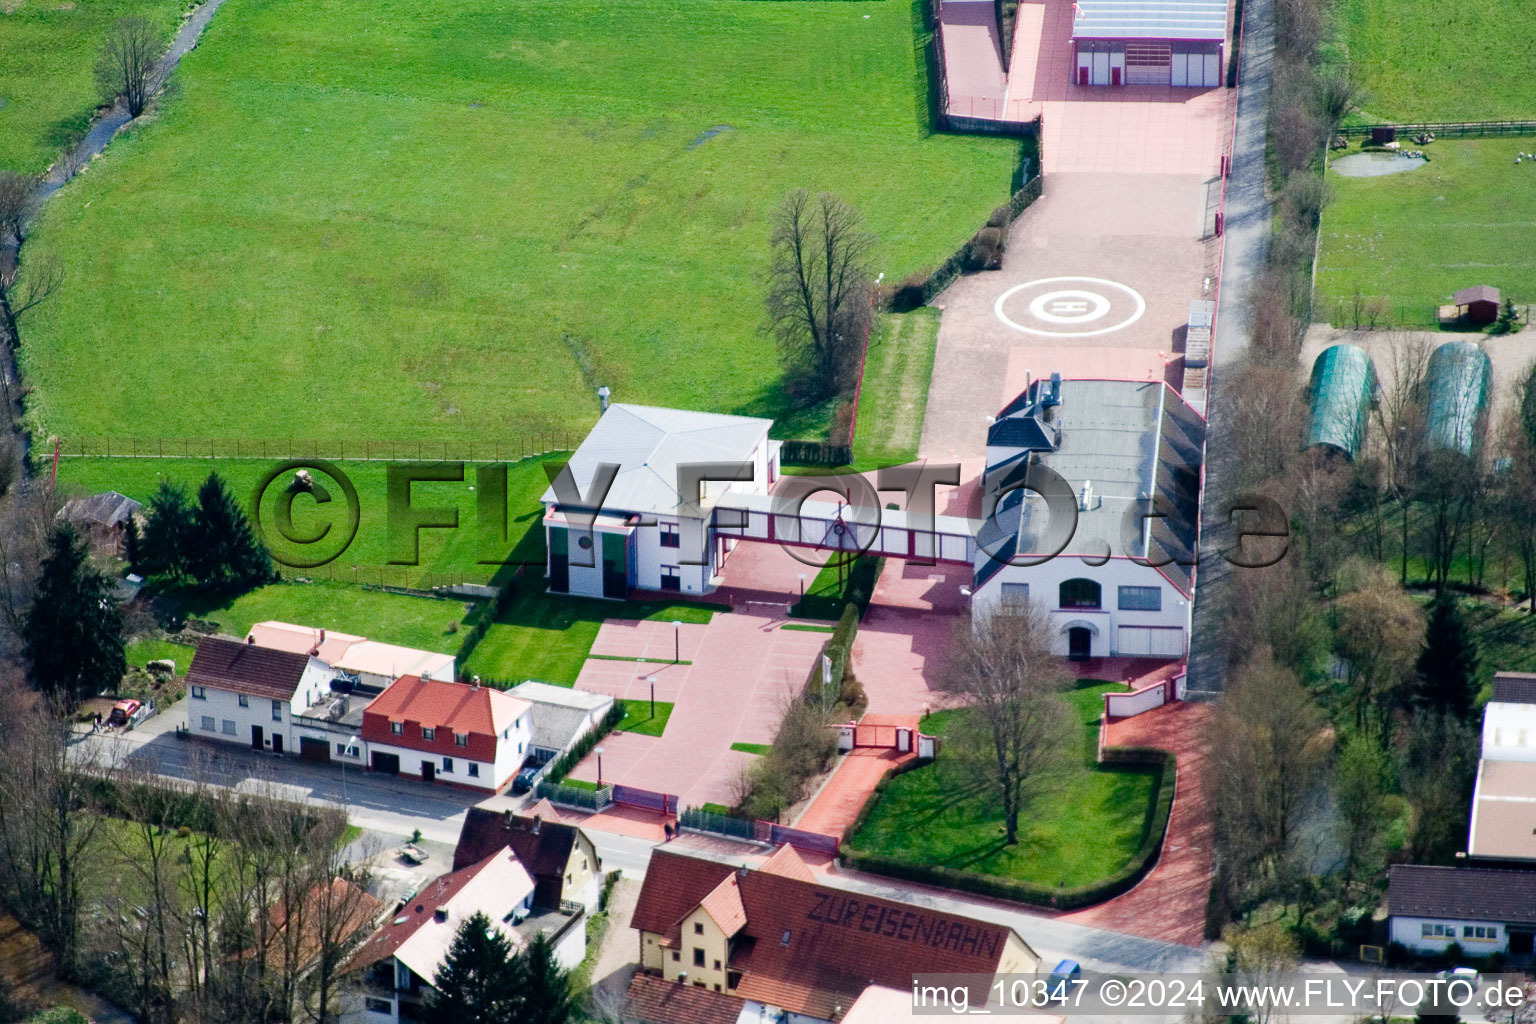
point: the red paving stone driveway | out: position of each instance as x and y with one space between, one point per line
1169 904
903 637
835 808
744 666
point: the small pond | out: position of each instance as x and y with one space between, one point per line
1376 163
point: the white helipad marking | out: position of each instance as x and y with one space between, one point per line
1058 314
1069 306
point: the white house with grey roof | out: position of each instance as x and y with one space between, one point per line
1149 42
1503 826
1111 556
634 507
561 715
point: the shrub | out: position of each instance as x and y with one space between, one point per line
1001 217
985 251
909 293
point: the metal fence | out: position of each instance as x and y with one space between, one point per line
718 824
404 579
1449 129
573 796
499 450
799 838
645 799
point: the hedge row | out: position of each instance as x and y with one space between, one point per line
486 614
906 298
1029 892
840 649
815 453
562 765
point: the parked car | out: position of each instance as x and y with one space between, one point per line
123 711
1062 977
523 781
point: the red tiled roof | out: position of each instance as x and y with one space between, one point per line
246 668
810 948
436 893
653 1000
1476 293
669 895
785 861
460 707
723 905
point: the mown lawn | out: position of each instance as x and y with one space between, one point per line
465 552
396 220
548 636
143 651
1423 60
47 58
894 398
639 719
1087 827
421 622
1465 218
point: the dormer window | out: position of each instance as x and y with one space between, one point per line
428 734
461 739
397 728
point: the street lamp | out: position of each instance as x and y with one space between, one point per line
801 577
677 642
599 767
652 681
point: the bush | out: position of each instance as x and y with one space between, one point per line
909 294
998 887
1001 217
985 251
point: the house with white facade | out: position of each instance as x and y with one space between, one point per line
562 715
366 664
1483 910
398 962
627 516
1091 507
463 734
1503 824
252 695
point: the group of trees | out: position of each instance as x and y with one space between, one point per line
483 980
197 904
210 541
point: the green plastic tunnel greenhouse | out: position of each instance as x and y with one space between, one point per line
1460 377
1342 392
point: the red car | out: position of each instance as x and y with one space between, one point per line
123 712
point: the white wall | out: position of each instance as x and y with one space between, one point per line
511 750
1410 932
1044 591
1509 732
411 762
224 706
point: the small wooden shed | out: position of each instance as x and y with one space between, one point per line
1478 304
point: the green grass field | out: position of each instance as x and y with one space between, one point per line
421 622
392 220
47 86
143 651
464 553
547 636
894 398
1465 218
1422 60
638 718
760 749
1085 828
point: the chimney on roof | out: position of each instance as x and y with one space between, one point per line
251 640
440 914
322 634
1055 398
474 682
538 823
506 818
602 398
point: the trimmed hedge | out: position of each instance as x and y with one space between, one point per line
953 267
840 649
815 453
485 614
858 589
1018 890
562 765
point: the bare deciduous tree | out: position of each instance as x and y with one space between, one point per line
1002 672
126 64
1400 412
1269 746
819 290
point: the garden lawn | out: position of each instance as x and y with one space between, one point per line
395 220
547 636
142 652
894 395
1084 829
461 552
47 71
425 623
1465 218
760 749
1426 60
638 718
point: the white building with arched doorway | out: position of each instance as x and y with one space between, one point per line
1090 511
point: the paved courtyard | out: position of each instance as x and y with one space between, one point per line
743 667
